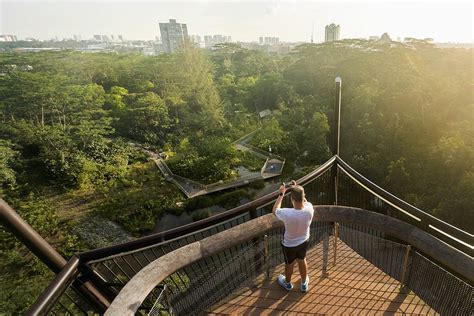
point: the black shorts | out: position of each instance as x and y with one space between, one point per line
292 253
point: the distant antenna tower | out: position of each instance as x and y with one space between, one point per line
312 33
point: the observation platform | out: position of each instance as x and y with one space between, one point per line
361 252
350 286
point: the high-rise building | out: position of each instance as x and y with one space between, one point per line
271 40
332 33
385 38
8 38
173 35
208 39
195 38
211 40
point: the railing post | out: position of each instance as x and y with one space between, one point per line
168 301
404 268
256 242
324 269
336 236
266 254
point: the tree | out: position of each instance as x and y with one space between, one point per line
272 135
206 160
146 119
8 155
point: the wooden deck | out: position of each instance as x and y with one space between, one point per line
352 286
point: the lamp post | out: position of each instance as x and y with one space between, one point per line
337 117
336 137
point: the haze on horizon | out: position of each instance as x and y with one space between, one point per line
243 20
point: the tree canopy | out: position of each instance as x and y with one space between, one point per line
68 120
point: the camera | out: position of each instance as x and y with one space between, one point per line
289 184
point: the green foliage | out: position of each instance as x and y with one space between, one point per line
232 198
249 161
20 269
138 199
83 158
407 116
227 200
272 135
197 216
207 159
145 119
259 184
199 202
7 160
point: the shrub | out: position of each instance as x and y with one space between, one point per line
197 216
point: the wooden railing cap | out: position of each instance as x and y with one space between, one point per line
137 289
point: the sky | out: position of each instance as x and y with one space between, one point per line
243 20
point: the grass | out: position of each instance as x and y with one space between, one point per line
136 202
140 199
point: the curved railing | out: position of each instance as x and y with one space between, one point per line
198 226
454 236
334 182
134 293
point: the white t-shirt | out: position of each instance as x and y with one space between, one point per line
297 224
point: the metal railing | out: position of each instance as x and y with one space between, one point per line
372 197
207 283
162 303
208 279
112 267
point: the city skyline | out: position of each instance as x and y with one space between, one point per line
244 21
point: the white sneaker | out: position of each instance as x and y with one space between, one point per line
305 286
282 281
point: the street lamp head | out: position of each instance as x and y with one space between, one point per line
338 80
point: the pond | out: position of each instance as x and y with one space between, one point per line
169 221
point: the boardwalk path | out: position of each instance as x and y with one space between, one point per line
272 167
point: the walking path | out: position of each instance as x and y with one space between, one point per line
272 167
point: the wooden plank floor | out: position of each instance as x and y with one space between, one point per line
352 286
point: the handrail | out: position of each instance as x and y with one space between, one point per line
137 289
192 227
54 290
428 221
147 241
67 276
25 233
154 239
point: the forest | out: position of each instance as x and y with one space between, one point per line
70 122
